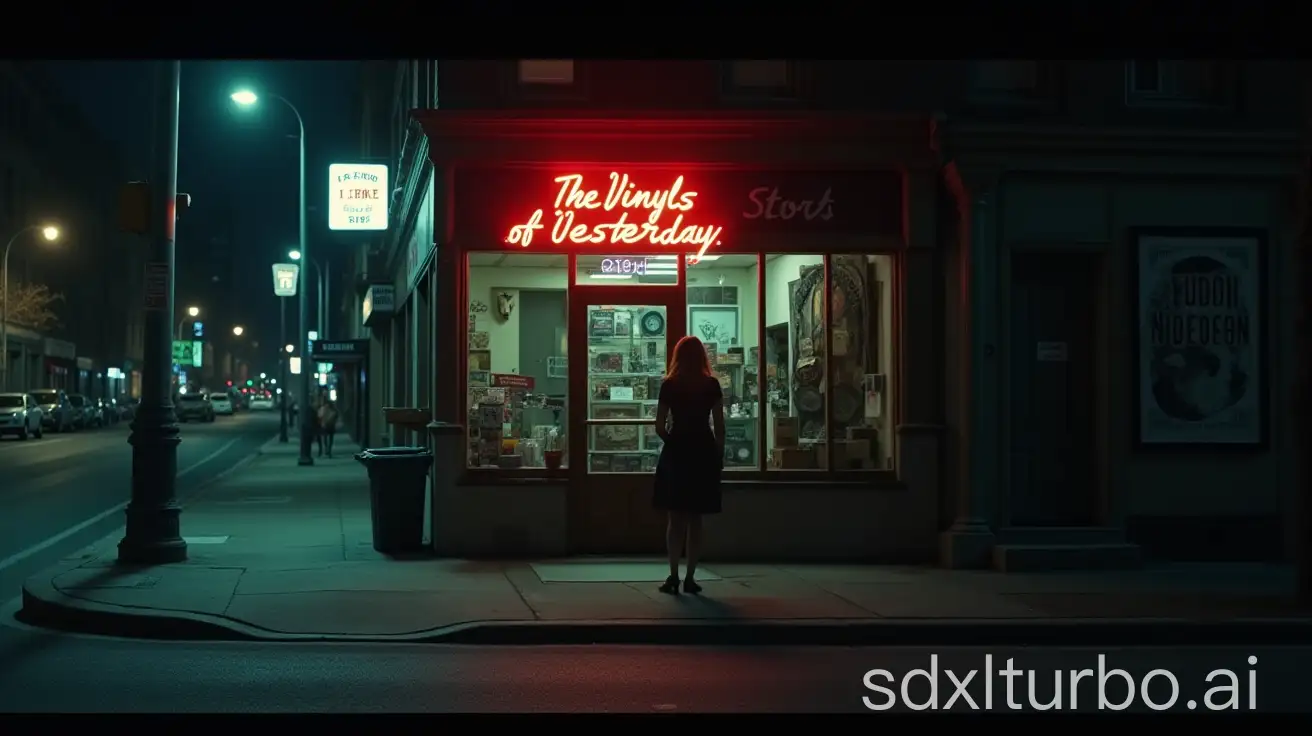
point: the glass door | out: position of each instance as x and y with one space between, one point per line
627 345
622 336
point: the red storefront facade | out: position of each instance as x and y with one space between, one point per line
570 252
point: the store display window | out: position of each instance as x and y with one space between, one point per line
517 374
828 309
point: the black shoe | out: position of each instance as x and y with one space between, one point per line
691 586
671 586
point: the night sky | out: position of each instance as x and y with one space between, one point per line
239 164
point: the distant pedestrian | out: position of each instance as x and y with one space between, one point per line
327 426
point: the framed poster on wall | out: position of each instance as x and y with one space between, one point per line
714 324
1200 373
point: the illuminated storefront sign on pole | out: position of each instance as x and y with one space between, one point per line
358 196
620 201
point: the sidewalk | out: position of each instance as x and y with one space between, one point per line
281 552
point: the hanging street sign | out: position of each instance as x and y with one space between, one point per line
284 278
358 195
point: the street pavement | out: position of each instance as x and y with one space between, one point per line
285 553
62 492
286 549
60 673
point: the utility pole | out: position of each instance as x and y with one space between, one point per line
1303 354
282 369
153 524
302 338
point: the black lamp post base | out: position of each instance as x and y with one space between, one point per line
154 527
152 552
153 536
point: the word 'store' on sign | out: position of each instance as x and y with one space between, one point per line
622 204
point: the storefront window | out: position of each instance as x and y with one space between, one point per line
622 270
860 343
722 307
626 364
517 395
794 361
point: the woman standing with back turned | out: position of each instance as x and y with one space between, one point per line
688 473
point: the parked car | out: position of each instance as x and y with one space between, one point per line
222 404
57 411
195 406
262 403
83 411
20 416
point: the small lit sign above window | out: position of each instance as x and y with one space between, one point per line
623 265
621 214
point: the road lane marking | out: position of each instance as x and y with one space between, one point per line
42 546
45 441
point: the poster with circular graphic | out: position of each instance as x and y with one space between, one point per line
1201 338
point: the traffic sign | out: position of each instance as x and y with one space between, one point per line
284 278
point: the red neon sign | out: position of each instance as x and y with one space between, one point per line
622 197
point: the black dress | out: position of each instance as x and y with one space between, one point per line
688 472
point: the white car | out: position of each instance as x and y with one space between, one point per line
20 416
222 404
261 403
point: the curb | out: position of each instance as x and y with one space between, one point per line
47 607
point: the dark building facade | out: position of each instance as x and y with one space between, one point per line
55 169
1015 313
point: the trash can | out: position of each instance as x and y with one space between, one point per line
398 477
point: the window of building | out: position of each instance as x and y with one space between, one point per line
722 313
860 361
546 71
517 383
1149 82
418 84
840 417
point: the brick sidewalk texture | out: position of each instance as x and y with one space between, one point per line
279 551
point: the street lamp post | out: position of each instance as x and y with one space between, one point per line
153 533
48 232
192 314
321 294
249 98
282 371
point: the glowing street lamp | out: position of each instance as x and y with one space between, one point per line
193 313
238 330
290 348
51 234
295 255
247 98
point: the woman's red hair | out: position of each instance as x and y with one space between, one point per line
689 359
